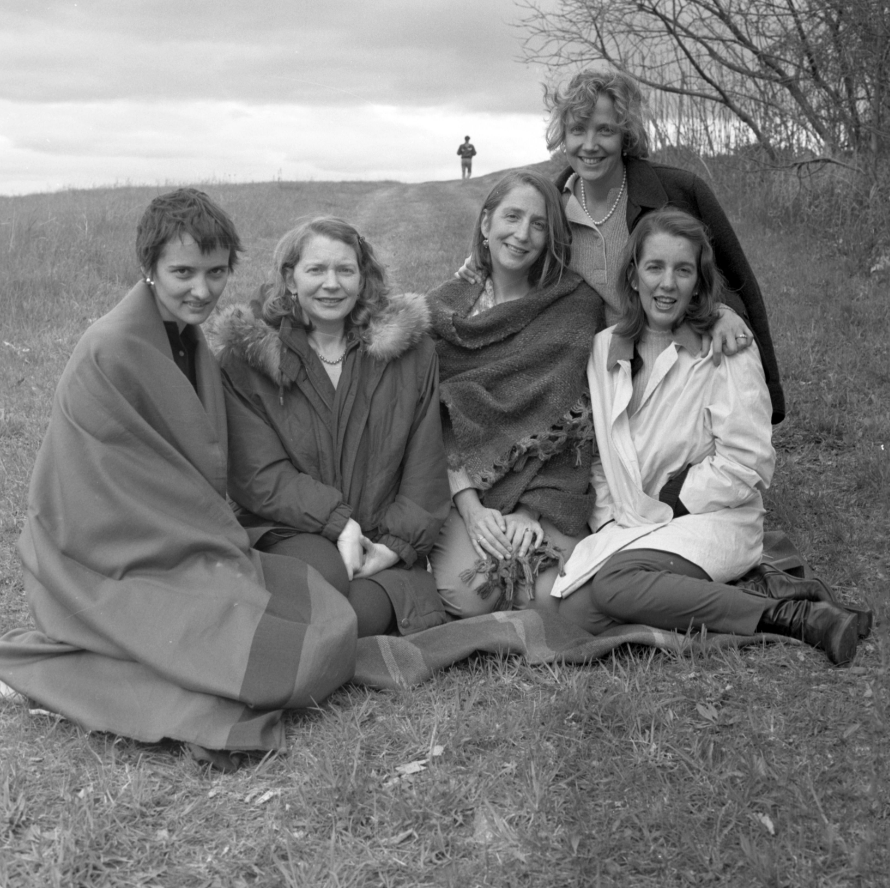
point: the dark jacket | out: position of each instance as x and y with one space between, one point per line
306 456
651 186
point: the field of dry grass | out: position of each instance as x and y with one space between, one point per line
762 767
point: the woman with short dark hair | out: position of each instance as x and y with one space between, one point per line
154 616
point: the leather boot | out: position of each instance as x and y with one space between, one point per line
818 623
769 581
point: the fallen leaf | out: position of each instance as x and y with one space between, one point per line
851 730
707 711
412 767
401 837
767 822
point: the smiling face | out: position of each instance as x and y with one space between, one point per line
593 146
516 230
327 282
666 278
187 282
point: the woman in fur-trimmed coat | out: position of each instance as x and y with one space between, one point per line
335 439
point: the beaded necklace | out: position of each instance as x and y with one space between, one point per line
608 215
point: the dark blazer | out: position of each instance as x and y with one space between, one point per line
651 186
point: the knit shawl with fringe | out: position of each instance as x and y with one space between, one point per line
514 394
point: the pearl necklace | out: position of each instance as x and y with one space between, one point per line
324 360
328 361
608 215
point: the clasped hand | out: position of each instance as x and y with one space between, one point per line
503 536
361 556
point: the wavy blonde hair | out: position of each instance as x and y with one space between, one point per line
579 97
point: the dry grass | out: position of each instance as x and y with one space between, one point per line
763 767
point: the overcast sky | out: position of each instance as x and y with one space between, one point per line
104 92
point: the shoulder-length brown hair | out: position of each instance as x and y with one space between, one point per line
554 259
371 302
578 98
701 314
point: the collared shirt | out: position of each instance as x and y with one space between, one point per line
184 346
621 348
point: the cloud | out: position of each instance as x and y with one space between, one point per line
97 92
406 52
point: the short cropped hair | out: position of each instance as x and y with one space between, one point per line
372 300
556 255
701 314
578 100
184 211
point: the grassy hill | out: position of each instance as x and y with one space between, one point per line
763 767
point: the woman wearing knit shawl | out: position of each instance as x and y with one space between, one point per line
515 409
684 457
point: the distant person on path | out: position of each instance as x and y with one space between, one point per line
335 441
466 152
597 122
515 406
155 619
684 455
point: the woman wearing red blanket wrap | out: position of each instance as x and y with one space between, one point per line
154 616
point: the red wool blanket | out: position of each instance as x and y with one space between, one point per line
154 618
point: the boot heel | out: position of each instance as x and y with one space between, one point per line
842 646
864 619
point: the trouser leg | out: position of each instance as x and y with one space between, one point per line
314 549
372 606
452 554
369 600
663 590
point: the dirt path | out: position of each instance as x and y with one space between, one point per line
423 225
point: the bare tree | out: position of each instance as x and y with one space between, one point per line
788 75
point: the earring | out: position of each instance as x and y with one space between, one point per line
149 281
485 242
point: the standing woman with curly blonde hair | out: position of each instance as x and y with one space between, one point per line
335 441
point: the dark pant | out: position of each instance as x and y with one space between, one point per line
368 599
659 589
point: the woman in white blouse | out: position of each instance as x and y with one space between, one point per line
684 456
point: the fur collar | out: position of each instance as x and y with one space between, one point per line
237 331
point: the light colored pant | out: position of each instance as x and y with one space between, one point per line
453 554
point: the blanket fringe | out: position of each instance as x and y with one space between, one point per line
513 575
